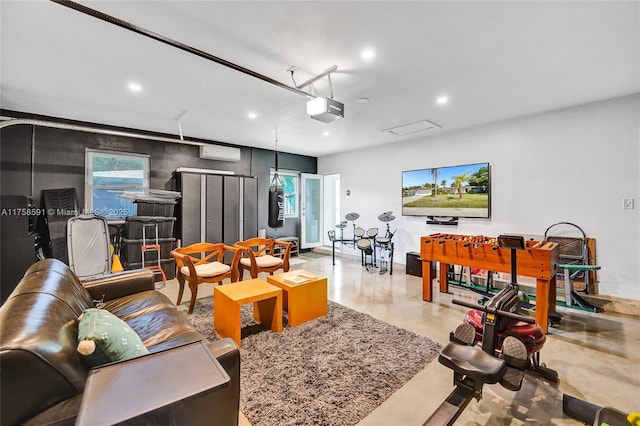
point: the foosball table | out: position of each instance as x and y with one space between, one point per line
539 259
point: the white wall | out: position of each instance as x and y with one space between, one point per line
574 165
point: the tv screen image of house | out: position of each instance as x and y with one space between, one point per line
452 191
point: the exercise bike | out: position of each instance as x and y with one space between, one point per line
501 358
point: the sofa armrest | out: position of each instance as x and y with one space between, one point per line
112 385
62 414
224 403
227 404
120 284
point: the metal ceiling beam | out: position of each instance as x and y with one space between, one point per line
318 77
90 129
134 28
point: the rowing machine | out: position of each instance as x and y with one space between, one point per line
473 366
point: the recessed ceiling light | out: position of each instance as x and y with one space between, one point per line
442 100
363 100
252 115
135 87
326 133
367 54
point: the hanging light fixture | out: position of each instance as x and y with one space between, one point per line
321 108
276 197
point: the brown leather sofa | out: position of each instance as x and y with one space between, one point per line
42 377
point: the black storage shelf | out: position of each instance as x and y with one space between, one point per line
154 207
151 212
135 224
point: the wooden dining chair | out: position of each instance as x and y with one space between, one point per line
259 255
204 263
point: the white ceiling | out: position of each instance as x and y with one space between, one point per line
495 60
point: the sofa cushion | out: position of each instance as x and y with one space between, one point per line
114 340
265 261
53 277
154 318
210 269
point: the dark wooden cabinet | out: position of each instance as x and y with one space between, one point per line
215 208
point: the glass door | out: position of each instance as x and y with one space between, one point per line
311 213
331 215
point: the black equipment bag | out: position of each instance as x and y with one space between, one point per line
276 206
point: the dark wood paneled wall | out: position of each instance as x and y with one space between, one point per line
34 158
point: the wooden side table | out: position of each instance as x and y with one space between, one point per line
228 298
143 388
304 301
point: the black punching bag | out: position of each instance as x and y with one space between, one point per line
276 203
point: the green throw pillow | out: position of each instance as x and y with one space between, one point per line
105 338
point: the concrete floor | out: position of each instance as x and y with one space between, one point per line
596 355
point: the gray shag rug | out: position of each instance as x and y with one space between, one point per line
332 370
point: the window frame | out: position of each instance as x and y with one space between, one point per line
296 194
117 212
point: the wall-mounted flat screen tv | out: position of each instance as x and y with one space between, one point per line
447 192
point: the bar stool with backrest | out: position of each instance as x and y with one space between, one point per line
258 255
207 267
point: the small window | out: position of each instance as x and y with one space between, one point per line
290 182
107 175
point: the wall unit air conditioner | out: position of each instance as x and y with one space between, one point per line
221 153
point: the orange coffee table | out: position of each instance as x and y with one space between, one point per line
228 298
304 301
